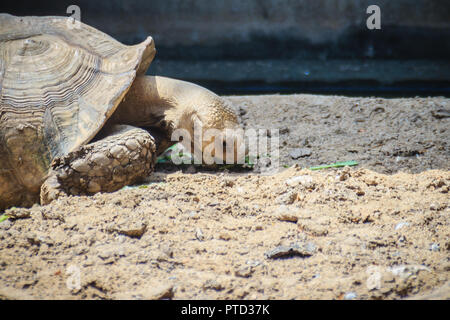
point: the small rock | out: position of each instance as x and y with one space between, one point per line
435 247
310 247
213 204
299 153
194 215
242 110
166 249
244 272
401 225
253 263
350 296
224 236
284 214
159 292
440 113
343 175
228 183
105 254
213 284
5 225
199 234
257 227
313 228
296 249
128 295
134 232
287 198
405 271
295 181
18 213
433 207
34 239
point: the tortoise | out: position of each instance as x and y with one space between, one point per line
79 116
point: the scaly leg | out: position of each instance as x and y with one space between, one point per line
122 157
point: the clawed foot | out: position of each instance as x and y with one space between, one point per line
124 156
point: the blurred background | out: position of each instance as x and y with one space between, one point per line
281 46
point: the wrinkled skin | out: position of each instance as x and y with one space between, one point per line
141 128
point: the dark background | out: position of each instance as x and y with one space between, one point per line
261 46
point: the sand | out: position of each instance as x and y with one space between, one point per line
379 230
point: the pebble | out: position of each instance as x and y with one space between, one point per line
199 234
136 232
253 263
401 225
224 236
194 215
213 284
287 198
162 292
18 213
299 153
166 249
284 214
350 296
405 271
402 240
257 227
440 113
244 272
295 249
294 181
435 247
5 225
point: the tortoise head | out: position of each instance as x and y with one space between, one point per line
216 134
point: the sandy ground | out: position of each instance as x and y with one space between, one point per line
376 231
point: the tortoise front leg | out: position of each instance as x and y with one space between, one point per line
125 155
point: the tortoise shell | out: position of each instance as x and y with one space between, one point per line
58 85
